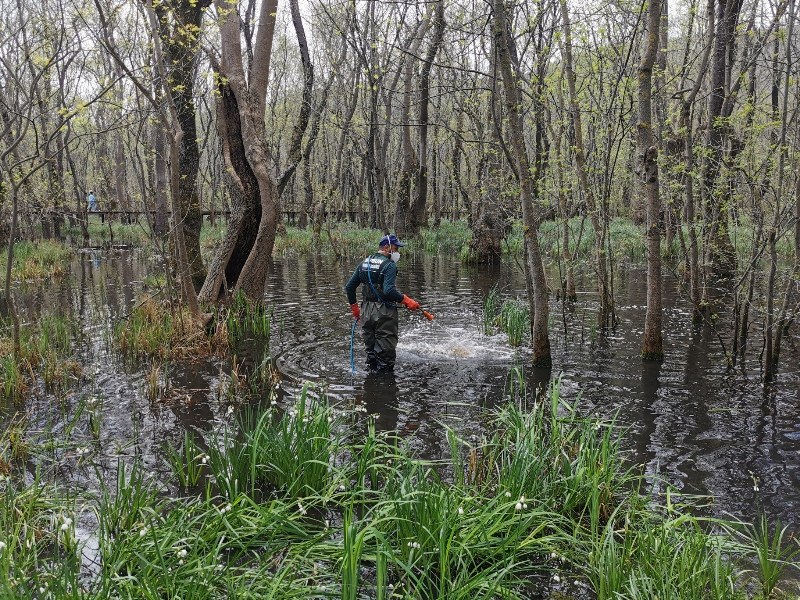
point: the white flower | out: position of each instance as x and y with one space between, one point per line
341 487
182 553
556 578
460 510
230 410
66 524
508 494
518 506
755 488
143 532
2 546
301 509
522 499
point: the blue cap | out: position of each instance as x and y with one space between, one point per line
391 239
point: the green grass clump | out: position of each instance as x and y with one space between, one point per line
246 320
514 320
490 309
512 317
136 234
345 240
156 331
39 260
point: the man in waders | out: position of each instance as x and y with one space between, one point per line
378 312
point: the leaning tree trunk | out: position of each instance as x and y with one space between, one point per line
652 347
295 146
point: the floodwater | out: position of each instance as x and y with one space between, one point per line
691 423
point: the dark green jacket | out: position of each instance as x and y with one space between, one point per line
381 272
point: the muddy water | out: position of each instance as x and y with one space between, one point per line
692 424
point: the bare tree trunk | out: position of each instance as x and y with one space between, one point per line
295 146
410 158
531 212
605 311
696 293
417 213
775 324
487 221
720 254
652 346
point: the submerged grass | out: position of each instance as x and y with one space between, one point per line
46 354
312 502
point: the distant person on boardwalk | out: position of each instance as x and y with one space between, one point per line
91 202
378 311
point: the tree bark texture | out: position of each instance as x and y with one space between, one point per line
250 94
652 346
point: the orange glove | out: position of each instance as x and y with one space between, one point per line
410 303
356 310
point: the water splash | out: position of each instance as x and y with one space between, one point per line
454 343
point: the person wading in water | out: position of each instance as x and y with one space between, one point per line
378 312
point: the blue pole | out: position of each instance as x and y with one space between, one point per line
352 357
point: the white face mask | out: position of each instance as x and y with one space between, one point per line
395 256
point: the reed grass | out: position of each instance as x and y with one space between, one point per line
491 306
135 234
343 239
775 550
514 320
448 238
510 315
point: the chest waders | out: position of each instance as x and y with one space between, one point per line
380 326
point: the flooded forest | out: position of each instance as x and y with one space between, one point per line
589 390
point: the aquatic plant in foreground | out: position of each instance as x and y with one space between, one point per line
544 500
